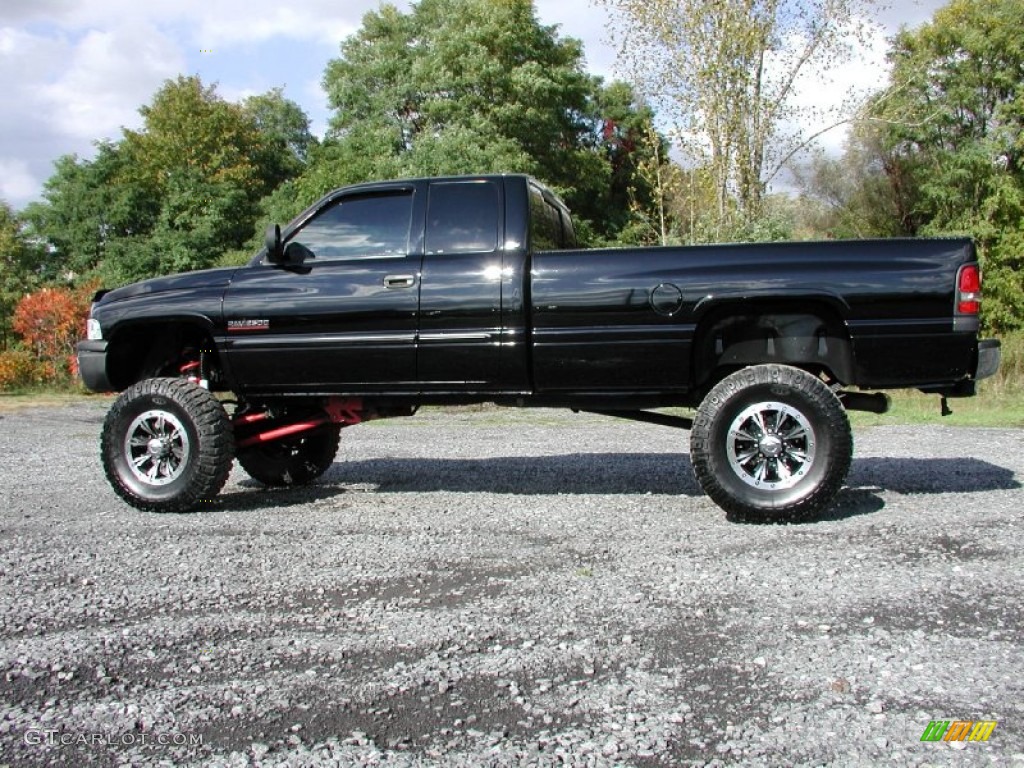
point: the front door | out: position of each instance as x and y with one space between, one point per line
345 320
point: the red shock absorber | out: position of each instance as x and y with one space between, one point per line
337 410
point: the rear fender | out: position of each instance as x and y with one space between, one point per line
737 337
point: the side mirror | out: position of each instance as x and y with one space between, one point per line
295 254
272 241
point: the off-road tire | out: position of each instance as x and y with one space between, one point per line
771 443
167 445
294 461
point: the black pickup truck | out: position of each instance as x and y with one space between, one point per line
384 297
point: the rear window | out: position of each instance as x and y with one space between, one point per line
550 226
462 217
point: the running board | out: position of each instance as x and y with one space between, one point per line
872 402
648 417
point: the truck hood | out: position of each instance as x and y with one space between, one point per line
207 278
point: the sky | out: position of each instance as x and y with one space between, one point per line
77 71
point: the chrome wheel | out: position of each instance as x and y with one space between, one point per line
167 445
771 446
156 447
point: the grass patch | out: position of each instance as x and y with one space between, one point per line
988 409
18 401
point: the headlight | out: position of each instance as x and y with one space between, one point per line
93 330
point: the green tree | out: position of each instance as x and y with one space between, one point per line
19 268
188 127
176 194
858 194
633 201
955 125
94 217
725 72
469 86
284 127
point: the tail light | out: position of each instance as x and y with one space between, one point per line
968 290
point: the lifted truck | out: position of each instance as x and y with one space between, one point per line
387 296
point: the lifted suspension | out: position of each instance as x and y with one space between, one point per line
341 411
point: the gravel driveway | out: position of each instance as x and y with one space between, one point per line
506 588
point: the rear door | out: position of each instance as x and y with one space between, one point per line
346 319
460 324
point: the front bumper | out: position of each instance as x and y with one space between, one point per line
92 365
989 356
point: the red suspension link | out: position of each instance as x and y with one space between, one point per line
338 410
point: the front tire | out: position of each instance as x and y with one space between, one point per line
167 445
771 443
295 461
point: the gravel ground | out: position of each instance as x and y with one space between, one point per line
506 588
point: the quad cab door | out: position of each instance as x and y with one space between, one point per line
345 319
461 334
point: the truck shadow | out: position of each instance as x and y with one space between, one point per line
870 477
641 473
616 473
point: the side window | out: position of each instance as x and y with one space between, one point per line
568 232
462 217
545 227
369 227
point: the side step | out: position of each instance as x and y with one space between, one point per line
648 417
872 402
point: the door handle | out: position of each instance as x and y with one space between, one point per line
399 281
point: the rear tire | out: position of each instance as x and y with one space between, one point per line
167 445
770 444
295 461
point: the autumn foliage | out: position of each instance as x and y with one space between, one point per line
19 369
50 322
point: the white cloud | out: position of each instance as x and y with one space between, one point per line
314 99
586 21
16 181
318 21
77 72
23 11
27 62
210 24
66 90
829 94
108 75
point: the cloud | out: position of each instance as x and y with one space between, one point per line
314 99
26 125
828 94
583 20
108 75
24 11
65 90
317 21
16 180
209 24
77 72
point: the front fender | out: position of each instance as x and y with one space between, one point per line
92 365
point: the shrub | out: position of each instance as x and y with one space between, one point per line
51 321
19 369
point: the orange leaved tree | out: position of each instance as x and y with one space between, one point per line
51 321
